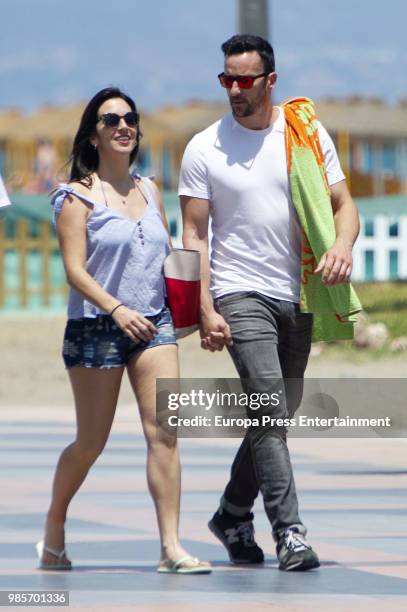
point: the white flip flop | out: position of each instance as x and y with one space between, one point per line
41 548
181 566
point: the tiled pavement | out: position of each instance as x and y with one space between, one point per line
352 495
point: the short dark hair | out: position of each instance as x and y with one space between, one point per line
84 157
249 42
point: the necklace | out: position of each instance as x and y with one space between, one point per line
123 201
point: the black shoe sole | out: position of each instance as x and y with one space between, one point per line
301 566
219 534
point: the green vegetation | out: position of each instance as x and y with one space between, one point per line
387 303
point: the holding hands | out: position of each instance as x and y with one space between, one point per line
215 332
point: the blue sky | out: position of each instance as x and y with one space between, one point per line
168 51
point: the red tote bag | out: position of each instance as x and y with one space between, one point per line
183 282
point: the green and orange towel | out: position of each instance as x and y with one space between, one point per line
334 307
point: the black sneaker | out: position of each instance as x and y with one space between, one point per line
237 535
294 553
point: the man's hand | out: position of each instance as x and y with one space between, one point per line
215 332
336 263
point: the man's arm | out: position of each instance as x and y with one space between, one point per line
215 332
336 263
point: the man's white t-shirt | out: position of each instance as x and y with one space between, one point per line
256 233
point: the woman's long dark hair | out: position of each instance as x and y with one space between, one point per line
84 158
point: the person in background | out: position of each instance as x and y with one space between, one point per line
4 199
45 166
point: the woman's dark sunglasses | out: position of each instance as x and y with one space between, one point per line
243 82
113 119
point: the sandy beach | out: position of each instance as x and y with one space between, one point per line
33 373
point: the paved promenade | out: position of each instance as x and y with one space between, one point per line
353 495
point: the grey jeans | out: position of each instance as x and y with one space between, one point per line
271 345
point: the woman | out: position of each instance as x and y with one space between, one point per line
113 237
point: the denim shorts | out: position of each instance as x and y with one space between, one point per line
99 343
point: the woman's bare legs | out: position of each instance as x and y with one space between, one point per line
96 392
163 465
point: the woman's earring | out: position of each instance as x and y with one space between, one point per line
95 146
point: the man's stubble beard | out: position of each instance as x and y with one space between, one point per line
250 108
243 111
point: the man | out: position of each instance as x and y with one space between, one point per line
236 172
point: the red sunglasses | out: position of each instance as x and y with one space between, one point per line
243 81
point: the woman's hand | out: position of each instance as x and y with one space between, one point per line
215 332
133 324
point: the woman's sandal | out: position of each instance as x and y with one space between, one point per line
183 566
55 553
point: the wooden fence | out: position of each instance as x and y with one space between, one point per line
23 243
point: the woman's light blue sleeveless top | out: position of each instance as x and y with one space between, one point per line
125 256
